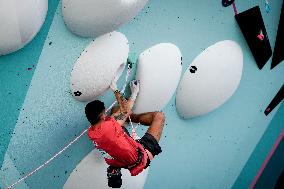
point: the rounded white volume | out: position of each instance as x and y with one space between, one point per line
91 18
211 79
20 21
159 70
101 61
91 173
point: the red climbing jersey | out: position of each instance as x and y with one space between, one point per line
122 149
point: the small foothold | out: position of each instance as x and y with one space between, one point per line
227 3
260 36
193 69
50 43
77 93
130 64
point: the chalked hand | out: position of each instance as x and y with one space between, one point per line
134 87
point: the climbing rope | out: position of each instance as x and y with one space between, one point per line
73 141
133 130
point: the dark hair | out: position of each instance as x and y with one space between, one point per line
93 110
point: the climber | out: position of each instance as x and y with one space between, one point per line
112 139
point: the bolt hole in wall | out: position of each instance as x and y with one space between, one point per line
217 145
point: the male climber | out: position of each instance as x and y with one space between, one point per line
110 135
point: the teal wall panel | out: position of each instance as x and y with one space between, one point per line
16 72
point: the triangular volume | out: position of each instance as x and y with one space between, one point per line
278 54
253 29
275 101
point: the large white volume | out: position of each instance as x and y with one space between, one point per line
159 70
91 18
211 79
91 173
20 21
99 63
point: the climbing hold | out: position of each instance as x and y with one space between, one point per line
20 21
278 55
93 167
102 61
77 93
158 70
260 36
193 69
218 76
92 18
227 3
251 23
275 101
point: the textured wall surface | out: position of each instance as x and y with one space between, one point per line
39 116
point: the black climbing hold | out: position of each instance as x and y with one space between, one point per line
77 93
253 29
278 55
275 101
193 69
50 43
130 64
227 3
280 181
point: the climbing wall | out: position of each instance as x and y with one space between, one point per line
40 116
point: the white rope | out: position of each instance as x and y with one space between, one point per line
133 130
67 146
